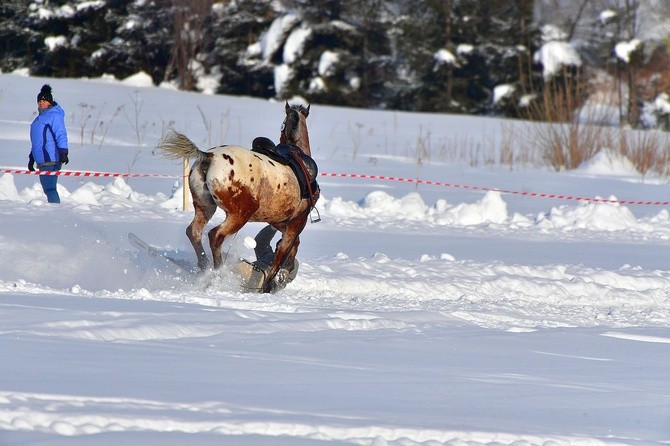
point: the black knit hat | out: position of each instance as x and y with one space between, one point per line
45 93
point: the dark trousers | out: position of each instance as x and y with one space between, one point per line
49 183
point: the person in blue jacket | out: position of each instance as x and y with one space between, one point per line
48 137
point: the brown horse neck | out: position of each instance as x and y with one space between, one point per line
302 143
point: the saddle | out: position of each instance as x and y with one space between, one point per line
303 166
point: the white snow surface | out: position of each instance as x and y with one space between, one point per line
421 314
606 16
608 162
282 75
623 50
295 43
555 55
444 56
327 63
272 40
53 42
502 91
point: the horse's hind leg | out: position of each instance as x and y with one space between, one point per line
194 231
204 207
203 213
217 235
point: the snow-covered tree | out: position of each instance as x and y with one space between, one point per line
190 22
327 57
15 36
232 50
462 51
327 51
143 40
53 38
465 56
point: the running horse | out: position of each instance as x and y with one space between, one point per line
248 186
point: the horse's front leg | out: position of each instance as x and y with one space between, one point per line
286 249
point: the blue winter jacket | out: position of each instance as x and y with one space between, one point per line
48 135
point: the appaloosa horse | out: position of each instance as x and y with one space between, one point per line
249 186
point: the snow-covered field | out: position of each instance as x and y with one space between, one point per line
421 315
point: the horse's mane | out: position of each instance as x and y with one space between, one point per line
299 107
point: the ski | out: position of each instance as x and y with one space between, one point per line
251 277
154 253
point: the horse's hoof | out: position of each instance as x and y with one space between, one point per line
267 287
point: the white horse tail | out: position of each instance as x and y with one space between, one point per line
177 146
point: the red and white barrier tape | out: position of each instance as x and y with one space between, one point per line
69 173
493 189
75 173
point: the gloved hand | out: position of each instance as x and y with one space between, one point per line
31 163
62 157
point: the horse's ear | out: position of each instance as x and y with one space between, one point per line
307 110
287 107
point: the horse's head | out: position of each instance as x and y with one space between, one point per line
294 129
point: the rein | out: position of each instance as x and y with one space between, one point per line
313 195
